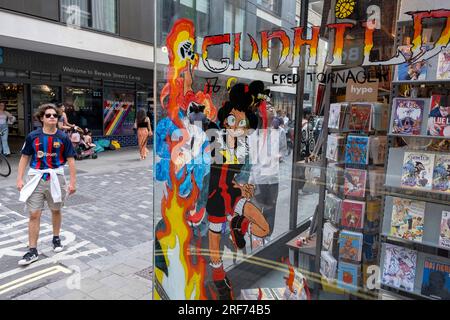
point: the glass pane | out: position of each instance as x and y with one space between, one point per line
119 113
84 108
42 94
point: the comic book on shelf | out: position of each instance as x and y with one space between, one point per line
337 115
373 214
378 149
335 147
443 69
444 236
353 213
330 238
357 150
380 116
349 276
371 247
355 183
408 116
417 172
335 178
333 208
350 246
441 173
328 265
436 280
377 178
408 218
399 269
360 117
439 117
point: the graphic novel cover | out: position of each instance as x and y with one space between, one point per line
436 280
443 70
335 147
408 217
444 237
439 117
370 247
411 71
378 148
330 237
399 268
373 214
350 246
357 150
408 116
335 178
328 265
418 170
348 276
441 173
360 117
355 182
353 213
377 178
336 116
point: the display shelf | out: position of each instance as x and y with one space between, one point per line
423 246
396 135
413 295
419 195
421 82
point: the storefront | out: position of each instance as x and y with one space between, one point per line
99 96
364 213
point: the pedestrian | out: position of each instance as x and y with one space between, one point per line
63 122
48 149
6 119
144 132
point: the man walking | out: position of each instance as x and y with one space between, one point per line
49 149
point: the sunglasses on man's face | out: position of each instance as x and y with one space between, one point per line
50 115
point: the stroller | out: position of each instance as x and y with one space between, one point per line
83 150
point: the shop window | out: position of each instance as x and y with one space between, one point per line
119 112
84 108
96 14
42 94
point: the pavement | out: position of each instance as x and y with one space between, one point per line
107 232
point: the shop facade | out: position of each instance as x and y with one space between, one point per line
364 212
99 96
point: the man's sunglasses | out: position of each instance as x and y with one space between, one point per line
50 115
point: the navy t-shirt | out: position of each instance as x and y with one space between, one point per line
48 151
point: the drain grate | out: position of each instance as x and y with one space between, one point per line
146 273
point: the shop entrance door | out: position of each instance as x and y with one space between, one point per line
12 94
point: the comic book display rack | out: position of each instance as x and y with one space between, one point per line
415 236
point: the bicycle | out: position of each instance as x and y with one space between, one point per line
5 167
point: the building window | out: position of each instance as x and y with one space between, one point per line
96 14
119 112
272 5
42 94
84 108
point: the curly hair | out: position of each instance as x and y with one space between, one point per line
40 113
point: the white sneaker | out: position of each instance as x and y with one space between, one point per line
57 246
28 259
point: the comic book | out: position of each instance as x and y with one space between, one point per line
399 269
443 70
408 116
378 149
357 150
335 147
353 213
337 111
349 276
333 208
380 116
444 237
417 171
328 265
355 183
441 173
411 71
373 215
377 178
408 217
439 117
335 178
330 237
436 280
360 117
350 246
370 247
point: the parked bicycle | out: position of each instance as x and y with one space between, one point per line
5 167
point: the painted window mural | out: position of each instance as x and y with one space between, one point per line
119 112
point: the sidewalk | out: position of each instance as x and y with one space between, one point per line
107 231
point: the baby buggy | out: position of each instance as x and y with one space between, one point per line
83 150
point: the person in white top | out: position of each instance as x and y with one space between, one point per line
6 119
